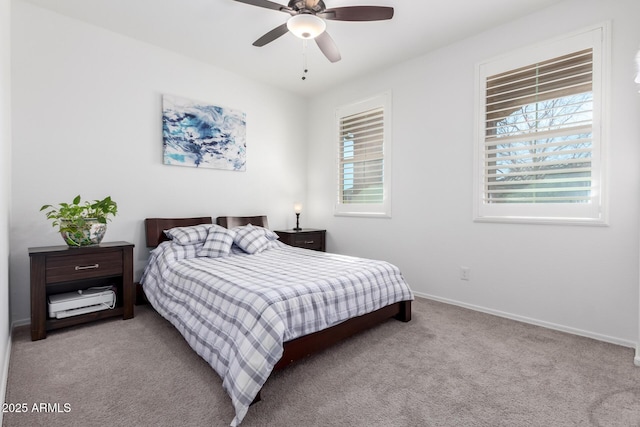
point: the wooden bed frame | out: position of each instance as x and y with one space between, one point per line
304 346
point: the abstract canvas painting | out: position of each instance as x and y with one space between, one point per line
198 134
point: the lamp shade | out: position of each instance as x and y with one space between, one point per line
306 26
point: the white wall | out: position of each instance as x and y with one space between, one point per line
5 179
87 120
576 278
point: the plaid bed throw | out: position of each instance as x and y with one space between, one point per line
237 311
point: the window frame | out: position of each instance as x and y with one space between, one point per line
371 210
593 213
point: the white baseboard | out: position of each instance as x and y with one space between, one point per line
17 323
548 325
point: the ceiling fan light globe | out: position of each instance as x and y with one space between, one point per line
306 26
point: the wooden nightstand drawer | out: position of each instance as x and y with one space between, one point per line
307 238
83 266
309 241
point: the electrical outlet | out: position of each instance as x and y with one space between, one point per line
465 273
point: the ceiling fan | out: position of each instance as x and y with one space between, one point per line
307 21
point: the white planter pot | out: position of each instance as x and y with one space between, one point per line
91 234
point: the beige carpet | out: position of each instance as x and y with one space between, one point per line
447 367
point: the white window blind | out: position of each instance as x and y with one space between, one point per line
363 158
539 132
540 145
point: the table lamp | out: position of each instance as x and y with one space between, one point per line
297 208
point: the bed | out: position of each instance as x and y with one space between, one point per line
292 302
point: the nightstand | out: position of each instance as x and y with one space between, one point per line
60 269
308 238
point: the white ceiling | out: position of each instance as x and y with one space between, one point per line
221 32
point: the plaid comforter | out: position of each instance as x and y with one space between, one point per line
237 311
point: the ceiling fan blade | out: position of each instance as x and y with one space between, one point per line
328 47
266 4
358 13
271 35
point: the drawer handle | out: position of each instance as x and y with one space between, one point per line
308 242
87 267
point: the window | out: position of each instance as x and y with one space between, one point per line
539 151
364 158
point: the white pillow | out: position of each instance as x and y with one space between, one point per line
177 251
251 239
268 233
188 235
218 242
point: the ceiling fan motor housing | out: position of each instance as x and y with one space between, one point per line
312 6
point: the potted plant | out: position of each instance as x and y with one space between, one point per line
82 224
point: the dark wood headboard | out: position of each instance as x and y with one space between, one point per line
154 227
236 221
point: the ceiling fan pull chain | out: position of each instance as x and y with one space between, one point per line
304 60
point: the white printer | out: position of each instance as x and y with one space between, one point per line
80 302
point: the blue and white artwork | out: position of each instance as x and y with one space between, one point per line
201 135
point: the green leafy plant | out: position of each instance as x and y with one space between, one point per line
73 219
